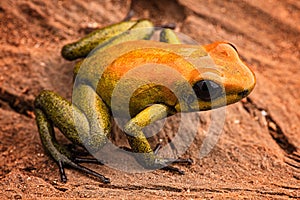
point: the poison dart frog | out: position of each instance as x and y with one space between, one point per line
124 74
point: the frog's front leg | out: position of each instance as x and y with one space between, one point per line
76 122
139 143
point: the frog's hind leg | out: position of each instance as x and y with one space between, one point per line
52 110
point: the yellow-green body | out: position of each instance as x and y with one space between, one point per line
148 63
140 80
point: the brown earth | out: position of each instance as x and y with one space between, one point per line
257 155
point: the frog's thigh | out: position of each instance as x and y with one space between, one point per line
97 113
135 135
79 126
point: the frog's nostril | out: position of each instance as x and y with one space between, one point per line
243 93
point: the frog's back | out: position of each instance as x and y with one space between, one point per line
139 73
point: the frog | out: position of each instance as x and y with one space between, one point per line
176 78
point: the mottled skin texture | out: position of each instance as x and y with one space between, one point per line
142 81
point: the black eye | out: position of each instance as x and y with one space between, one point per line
207 90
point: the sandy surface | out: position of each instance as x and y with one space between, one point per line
257 155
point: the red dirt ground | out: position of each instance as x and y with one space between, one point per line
257 155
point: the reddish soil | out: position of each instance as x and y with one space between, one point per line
257 155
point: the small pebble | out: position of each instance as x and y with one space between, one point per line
264 113
237 121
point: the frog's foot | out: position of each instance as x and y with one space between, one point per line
166 162
81 156
67 156
63 161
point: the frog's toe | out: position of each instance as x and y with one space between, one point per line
174 169
87 160
64 161
187 161
90 172
166 162
63 176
